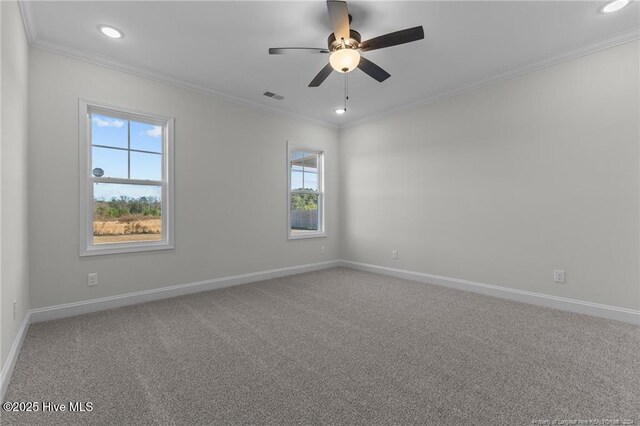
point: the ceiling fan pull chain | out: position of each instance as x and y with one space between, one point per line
346 90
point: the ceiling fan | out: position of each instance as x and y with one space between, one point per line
345 45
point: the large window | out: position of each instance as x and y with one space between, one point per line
126 185
306 192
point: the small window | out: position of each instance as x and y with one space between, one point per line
305 192
126 184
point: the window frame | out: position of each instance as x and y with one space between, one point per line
321 233
87 180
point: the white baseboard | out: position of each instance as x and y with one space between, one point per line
7 368
94 305
572 305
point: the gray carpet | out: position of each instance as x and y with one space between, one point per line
331 347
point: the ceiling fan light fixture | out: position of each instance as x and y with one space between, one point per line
615 5
344 60
341 111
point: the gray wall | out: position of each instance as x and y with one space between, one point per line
500 186
14 280
507 183
230 177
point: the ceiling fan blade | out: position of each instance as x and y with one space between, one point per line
393 39
282 50
322 76
373 70
339 17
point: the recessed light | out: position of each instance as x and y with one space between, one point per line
110 31
341 111
615 6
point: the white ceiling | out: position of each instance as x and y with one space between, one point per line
222 46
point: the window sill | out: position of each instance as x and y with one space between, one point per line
306 236
125 248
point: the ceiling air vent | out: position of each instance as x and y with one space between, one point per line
273 95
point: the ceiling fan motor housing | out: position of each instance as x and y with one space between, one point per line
352 43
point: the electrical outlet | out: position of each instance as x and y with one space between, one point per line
394 254
92 280
322 250
15 309
558 276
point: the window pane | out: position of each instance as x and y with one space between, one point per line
304 213
296 180
126 213
311 181
109 131
146 166
109 162
146 137
305 174
296 160
310 162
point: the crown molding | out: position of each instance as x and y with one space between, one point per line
106 62
586 49
616 39
27 19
